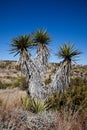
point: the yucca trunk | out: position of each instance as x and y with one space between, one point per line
41 59
36 86
62 77
22 62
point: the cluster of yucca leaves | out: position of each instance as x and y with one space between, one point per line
73 99
33 105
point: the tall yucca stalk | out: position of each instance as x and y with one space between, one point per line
20 45
42 39
62 78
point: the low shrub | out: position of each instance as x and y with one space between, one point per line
33 105
21 83
8 77
8 85
77 82
2 85
0 102
73 98
17 67
5 85
2 65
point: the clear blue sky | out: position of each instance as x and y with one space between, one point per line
65 20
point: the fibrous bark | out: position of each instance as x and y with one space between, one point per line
25 69
37 86
33 75
62 78
41 59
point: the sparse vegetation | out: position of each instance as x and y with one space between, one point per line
73 99
2 65
17 67
78 81
6 64
20 82
72 122
5 85
0 102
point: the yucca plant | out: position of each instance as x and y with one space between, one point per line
38 106
33 105
68 52
42 39
62 78
20 45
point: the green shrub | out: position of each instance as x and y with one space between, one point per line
56 101
17 67
33 105
8 77
2 65
0 102
47 81
10 67
77 82
2 86
74 98
5 85
8 85
21 83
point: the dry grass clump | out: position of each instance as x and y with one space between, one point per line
11 98
11 115
72 122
